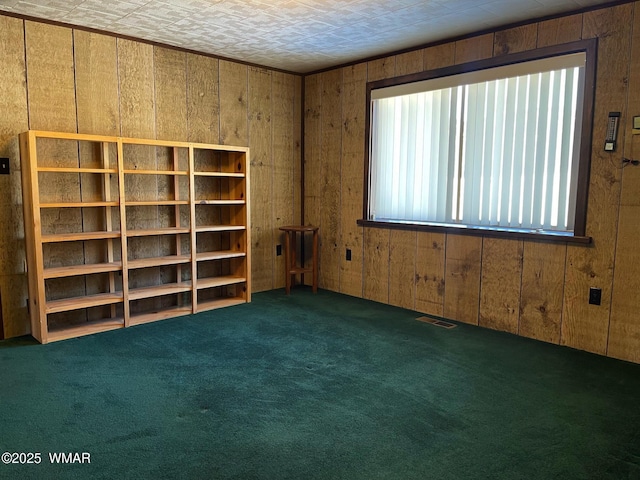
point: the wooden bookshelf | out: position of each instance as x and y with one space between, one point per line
125 231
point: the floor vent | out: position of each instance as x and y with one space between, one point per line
436 322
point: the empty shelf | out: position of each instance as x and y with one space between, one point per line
220 202
158 261
88 269
219 303
156 231
220 255
76 170
221 281
171 312
76 303
85 329
78 204
219 174
159 290
75 237
219 228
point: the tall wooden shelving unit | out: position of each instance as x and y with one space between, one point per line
123 231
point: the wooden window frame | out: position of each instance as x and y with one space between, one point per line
589 47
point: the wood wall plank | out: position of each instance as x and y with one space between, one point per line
542 291
586 326
331 146
439 56
500 284
234 129
136 81
474 48
96 83
262 227
284 162
462 278
170 80
50 70
429 273
517 39
376 264
560 30
203 99
313 149
381 68
298 109
624 330
14 119
410 62
402 268
352 177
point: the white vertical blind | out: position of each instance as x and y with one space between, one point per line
497 153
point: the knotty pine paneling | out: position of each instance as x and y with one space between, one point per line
330 148
560 30
543 270
624 330
459 277
352 177
262 225
429 273
105 85
514 40
500 284
203 99
14 119
312 156
586 326
402 275
463 261
283 194
234 126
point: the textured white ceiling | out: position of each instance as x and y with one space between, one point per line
294 35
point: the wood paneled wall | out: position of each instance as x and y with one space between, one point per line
530 288
58 78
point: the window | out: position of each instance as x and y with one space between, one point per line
485 145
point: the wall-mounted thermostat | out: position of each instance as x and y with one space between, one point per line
612 131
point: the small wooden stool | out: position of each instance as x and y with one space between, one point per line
291 268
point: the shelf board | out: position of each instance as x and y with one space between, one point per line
158 261
219 228
219 255
171 312
75 237
220 202
157 231
219 303
76 303
76 170
159 290
156 172
219 174
221 281
157 202
78 204
86 269
85 329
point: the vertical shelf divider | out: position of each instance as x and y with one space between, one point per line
192 216
123 233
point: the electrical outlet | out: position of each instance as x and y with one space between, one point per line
348 254
4 166
595 296
278 250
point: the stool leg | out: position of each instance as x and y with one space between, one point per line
293 261
287 263
315 261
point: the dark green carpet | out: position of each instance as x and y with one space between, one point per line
317 387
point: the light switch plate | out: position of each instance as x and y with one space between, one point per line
636 122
